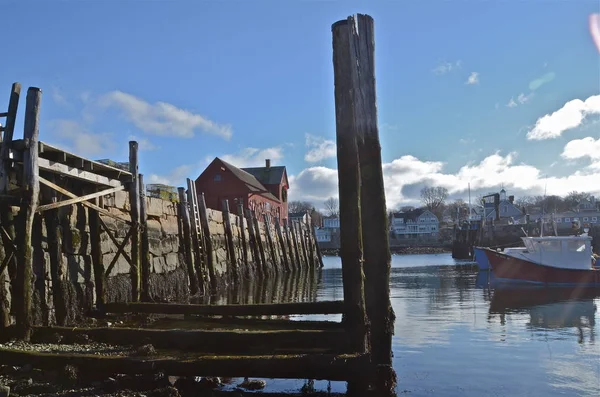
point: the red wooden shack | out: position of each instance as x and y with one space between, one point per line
262 189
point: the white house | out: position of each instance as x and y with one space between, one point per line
415 223
507 208
323 235
331 222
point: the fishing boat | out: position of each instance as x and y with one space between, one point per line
550 260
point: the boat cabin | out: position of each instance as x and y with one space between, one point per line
567 252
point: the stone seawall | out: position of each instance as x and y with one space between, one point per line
66 287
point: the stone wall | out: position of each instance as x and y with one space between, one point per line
65 286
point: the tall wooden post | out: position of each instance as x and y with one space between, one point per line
351 244
134 200
288 242
286 263
187 240
261 247
295 243
208 245
96 252
30 196
253 242
309 242
302 237
357 77
145 244
242 226
274 258
230 244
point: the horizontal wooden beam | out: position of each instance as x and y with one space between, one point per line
76 200
325 307
249 323
213 341
86 203
298 366
76 173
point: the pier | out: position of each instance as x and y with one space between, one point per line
81 240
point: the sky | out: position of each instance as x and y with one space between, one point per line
491 94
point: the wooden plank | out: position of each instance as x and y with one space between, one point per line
208 245
261 248
322 307
76 173
302 237
271 245
187 241
296 366
286 263
31 193
120 250
114 240
86 203
76 200
296 243
253 243
7 137
144 243
242 226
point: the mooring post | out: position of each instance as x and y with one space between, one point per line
261 247
230 245
267 220
187 241
30 199
359 79
298 264
282 244
134 200
303 244
208 245
242 226
309 242
252 242
145 244
288 244
351 244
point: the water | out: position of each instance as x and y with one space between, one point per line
454 336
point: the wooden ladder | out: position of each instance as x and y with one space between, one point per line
197 237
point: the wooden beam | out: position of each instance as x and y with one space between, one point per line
187 241
76 200
86 203
97 256
76 173
282 244
322 307
7 136
120 251
208 245
31 193
229 242
296 366
252 242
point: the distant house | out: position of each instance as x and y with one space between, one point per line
507 208
331 222
323 235
301 217
261 189
416 223
588 204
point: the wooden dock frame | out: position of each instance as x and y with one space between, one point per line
357 350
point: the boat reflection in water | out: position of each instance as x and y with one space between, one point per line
550 308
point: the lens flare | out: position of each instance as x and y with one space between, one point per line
595 29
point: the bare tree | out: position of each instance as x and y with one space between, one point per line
299 206
332 206
434 198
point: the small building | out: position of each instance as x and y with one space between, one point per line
331 222
323 235
261 189
507 208
415 223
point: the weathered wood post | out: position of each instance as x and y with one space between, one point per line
96 252
288 242
302 237
6 215
145 244
230 244
134 200
187 240
309 242
295 243
253 242
267 220
349 187
30 196
357 78
242 226
208 245
286 263
261 247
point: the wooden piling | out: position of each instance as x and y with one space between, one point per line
282 244
295 242
145 244
30 197
187 241
274 259
317 249
309 242
96 253
351 244
134 200
7 137
261 247
242 226
230 244
253 242
302 237
288 242
208 245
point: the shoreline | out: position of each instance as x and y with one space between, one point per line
399 251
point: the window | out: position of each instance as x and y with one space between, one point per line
567 219
550 246
585 219
558 220
217 178
576 246
594 219
284 195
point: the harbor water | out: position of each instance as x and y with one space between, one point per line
456 336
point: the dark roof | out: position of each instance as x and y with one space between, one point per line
267 176
412 214
249 180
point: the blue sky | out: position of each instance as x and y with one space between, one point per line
250 80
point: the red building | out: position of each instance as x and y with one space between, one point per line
262 189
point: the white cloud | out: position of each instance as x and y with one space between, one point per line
176 177
76 138
473 78
162 118
511 103
144 143
446 67
320 148
570 116
253 157
581 148
522 98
